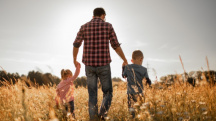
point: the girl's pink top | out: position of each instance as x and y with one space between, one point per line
64 88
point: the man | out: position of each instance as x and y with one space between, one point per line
97 34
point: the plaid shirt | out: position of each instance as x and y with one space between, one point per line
96 35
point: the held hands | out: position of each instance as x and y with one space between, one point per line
77 64
125 63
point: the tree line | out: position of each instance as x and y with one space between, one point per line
36 78
193 77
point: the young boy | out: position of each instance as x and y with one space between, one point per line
135 73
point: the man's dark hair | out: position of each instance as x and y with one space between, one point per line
99 12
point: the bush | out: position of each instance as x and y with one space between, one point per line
33 78
10 78
80 82
42 79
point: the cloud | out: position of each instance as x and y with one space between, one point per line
27 53
162 60
140 44
21 60
174 48
163 46
135 43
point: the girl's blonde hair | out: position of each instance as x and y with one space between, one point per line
65 73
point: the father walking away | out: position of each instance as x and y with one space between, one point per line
97 34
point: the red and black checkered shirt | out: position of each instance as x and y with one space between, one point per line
96 35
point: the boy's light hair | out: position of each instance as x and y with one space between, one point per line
137 54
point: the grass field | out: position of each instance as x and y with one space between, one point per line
177 102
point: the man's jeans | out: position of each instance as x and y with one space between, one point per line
102 73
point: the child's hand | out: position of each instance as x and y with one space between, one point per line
78 65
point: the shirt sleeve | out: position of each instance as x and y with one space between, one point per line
124 72
113 38
148 81
79 38
146 74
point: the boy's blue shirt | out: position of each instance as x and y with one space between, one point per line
134 74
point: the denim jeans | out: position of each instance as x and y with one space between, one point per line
70 107
102 73
132 99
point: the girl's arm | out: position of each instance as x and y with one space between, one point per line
76 73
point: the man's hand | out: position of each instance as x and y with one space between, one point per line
124 63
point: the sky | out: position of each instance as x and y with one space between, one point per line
38 34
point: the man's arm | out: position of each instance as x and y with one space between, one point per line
77 43
121 54
77 71
75 52
116 45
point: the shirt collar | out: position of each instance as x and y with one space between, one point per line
97 18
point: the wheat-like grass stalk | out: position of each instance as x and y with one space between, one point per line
176 102
24 105
210 79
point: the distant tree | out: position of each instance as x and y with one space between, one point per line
163 78
80 82
191 78
56 79
210 76
35 77
10 78
116 79
47 79
31 79
42 79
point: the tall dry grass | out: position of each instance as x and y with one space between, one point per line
177 102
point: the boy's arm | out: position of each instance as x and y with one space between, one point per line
123 67
148 81
124 73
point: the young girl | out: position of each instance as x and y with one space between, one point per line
65 89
